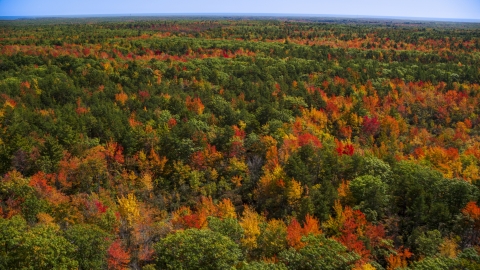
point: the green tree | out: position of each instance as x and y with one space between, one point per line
51 153
370 194
436 263
319 253
91 245
427 243
371 165
412 196
40 247
228 227
263 266
197 249
11 234
469 258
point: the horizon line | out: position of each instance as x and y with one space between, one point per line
220 14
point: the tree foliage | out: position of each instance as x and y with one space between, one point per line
244 142
197 249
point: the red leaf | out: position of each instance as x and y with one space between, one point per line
118 258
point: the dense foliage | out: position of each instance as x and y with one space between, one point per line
212 143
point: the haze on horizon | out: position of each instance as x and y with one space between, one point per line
441 9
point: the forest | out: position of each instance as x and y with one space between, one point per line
239 143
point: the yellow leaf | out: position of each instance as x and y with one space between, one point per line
294 192
128 208
250 224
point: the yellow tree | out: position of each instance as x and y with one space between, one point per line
294 193
226 209
250 223
128 209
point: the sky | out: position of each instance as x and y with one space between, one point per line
457 9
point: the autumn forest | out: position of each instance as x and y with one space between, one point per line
239 143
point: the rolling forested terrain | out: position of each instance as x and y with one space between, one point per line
230 143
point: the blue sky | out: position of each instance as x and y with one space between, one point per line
462 9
